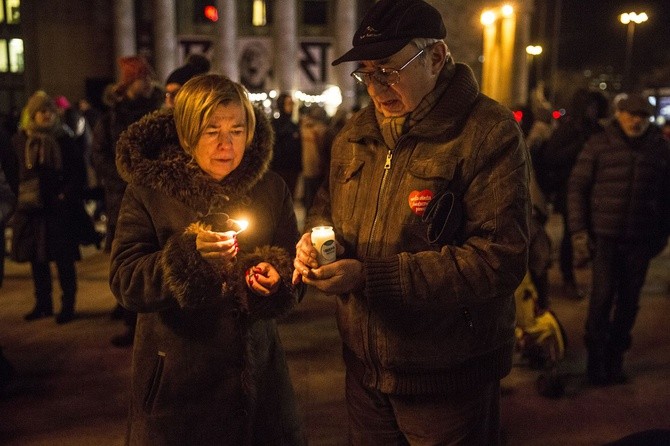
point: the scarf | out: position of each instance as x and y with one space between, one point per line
42 148
394 127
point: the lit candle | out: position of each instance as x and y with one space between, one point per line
323 240
241 224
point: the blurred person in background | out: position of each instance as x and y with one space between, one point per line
195 64
585 116
134 95
619 217
45 225
10 167
313 129
207 294
287 154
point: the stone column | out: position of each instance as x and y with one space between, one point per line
125 40
285 45
165 38
521 66
346 23
225 44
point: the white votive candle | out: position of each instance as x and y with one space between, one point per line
323 240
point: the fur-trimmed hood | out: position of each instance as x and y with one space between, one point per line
149 154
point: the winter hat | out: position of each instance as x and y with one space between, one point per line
195 64
40 100
390 25
635 104
62 102
132 68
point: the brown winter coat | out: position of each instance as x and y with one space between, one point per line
208 365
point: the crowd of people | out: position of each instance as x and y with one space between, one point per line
436 198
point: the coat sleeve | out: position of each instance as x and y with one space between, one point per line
579 190
146 277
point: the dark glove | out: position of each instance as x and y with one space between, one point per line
581 249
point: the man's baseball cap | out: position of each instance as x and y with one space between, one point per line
390 25
635 104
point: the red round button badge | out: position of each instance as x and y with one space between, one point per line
418 200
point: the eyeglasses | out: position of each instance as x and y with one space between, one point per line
383 76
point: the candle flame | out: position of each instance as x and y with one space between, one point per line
242 224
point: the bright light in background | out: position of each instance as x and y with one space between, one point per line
507 10
534 50
211 13
488 17
628 17
331 98
259 17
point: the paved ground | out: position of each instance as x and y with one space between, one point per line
72 385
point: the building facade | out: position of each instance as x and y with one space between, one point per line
70 47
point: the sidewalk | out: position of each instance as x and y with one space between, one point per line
71 386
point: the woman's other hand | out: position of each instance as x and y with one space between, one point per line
217 245
263 279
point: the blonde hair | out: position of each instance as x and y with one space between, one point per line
195 104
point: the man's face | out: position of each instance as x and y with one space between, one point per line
633 124
415 81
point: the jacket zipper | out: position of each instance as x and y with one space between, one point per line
374 357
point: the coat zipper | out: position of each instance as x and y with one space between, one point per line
374 357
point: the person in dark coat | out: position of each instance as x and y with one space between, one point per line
133 96
10 167
208 364
49 200
287 157
558 157
195 64
618 209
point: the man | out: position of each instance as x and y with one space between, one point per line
618 203
428 196
195 64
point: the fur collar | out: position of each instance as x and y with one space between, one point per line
148 154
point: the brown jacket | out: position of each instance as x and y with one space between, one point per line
436 313
208 365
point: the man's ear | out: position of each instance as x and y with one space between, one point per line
438 57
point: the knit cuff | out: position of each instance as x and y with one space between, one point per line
382 279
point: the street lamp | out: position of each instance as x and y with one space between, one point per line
630 19
533 51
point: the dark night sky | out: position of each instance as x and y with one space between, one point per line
591 34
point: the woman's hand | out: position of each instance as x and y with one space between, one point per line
217 245
263 279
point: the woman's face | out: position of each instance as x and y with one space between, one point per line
44 117
221 146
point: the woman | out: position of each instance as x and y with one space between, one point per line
208 365
45 224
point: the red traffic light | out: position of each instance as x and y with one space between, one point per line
211 13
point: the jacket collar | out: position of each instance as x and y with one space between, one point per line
149 155
451 109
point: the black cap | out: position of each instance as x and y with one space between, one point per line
195 64
636 104
390 25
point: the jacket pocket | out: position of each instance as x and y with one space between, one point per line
346 182
155 382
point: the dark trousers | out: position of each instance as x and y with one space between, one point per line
375 418
67 277
619 272
565 254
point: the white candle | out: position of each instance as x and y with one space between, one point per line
323 240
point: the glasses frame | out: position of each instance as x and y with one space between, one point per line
386 77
